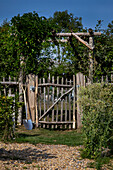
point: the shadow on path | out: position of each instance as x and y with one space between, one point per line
25 155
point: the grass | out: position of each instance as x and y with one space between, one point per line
46 136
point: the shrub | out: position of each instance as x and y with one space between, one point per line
96 103
7 107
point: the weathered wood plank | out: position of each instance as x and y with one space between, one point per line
44 101
91 42
82 41
61 117
79 34
106 78
53 90
57 103
64 122
40 98
9 83
19 121
48 100
78 80
55 85
74 118
66 107
70 105
9 87
58 40
4 86
36 103
31 94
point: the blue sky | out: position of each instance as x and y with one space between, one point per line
89 10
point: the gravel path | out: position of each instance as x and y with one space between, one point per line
46 157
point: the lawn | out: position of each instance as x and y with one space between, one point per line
47 136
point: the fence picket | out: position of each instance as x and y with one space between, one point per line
74 118
61 118
70 106
44 101
36 102
40 98
57 103
66 106
4 86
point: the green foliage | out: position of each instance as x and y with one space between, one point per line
66 22
7 108
103 52
22 39
97 107
9 61
26 36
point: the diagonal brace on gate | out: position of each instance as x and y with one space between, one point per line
56 103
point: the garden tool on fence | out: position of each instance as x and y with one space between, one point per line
27 122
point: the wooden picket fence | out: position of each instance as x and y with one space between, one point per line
8 87
51 103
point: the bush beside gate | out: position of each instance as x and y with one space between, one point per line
96 103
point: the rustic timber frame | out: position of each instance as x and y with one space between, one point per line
78 36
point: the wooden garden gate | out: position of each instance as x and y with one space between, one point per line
53 103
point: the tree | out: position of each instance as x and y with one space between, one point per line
65 22
8 52
68 53
24 36
103 53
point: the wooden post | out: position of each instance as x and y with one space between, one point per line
106 79
78 83
48 102
10 87
19 120
31 96
40 98
61 118
44 101
91 43
74 118
57 103
66 106
4 86
70 107
36 103
53 90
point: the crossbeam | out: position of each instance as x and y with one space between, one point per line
78 33
54 85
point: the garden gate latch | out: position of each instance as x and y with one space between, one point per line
32 88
